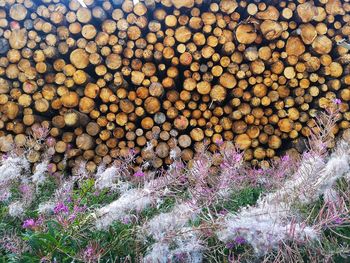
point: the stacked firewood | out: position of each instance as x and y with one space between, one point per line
167 78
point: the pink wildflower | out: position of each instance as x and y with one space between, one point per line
29 224
230 245
50 141
338 220
139 173
61 207
285 158
239 240
91 253
79 209
337 101
24 189
88 252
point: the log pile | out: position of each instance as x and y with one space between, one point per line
169 77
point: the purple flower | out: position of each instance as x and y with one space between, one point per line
230 245
72 217
338 220
223 165
139 173
51 141
285 158
239 240
24 188
69 199
237 157
259 171
337 101
89 251
29 223
223 212
61 207
79 209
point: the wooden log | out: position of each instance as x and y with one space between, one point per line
79 58
18 38
308 33
307 11
117 74
75 118
295 46
270 13
18 12
322 45
271 29
70 99
246 34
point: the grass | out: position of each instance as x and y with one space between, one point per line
242 198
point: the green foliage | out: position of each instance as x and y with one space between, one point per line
45 191
67 240
65 243
335 240
120 241
55 242
244 197
163 207
88 196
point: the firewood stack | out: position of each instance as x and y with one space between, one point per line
169 77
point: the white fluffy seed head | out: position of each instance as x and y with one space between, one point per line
16 209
